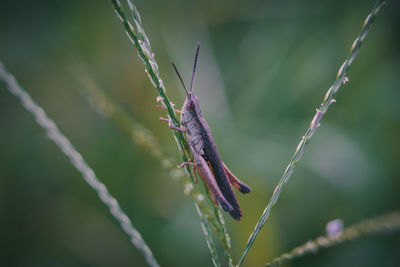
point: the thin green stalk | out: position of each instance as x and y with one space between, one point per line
327 101
139 38
145 138
210 242
78 162
377 225
227 239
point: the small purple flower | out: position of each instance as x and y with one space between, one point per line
334 228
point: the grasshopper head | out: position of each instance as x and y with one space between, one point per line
191 108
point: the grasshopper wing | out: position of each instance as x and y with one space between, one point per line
235 182
208 178
225 187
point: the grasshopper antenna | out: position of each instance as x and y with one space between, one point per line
194 66
180 78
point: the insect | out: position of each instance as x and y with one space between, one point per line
207 161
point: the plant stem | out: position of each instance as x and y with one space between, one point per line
139 38
210 242
327 101
377 225
78 162
142 136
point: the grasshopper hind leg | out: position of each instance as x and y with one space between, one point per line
207 176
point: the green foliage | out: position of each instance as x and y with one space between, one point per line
272 59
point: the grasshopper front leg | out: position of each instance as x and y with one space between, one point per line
193 169
187 163
172 125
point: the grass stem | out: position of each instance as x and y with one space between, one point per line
341 78
377 225
143 137
78 162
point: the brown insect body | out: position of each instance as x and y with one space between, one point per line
207 161
206 154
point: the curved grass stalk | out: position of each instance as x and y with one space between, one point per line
377 225
79 163
227 239
139 38
209 240
327 101
145 138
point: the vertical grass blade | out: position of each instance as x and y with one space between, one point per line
378 225
145 138
78 162
227 238
209 240
138 37
327 101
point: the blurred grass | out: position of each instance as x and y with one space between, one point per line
263 68
329 98
389 223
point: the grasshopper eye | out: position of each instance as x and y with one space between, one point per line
190 104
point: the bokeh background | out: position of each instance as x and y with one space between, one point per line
264 67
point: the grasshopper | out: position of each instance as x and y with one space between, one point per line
207 161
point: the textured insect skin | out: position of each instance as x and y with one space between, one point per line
207 161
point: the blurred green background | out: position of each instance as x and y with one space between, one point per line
264 67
